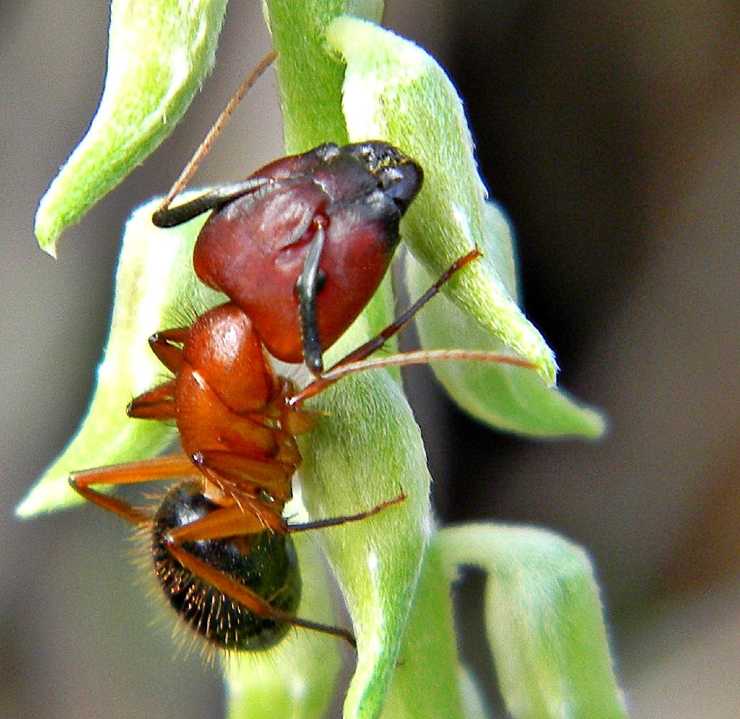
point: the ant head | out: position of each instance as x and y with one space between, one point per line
397 175
332 210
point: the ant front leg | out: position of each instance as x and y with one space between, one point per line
357 360
157 403
165 343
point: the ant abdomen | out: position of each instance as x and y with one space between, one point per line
265 562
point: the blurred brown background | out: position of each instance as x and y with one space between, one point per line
609 131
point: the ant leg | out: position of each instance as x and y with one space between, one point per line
252 601
233 522
148 470
336 521
221 122
356 361
228 521
307 287
157 403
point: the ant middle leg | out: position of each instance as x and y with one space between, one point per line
232 522
229 522
345 519
224 522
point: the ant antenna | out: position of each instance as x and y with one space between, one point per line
223 119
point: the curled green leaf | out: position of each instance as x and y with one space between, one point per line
368 448
159 53
544 621
154 288
429 681
395 91
310 79
505 397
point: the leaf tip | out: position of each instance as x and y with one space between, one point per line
43 497
595 423
548 367
47 228
25 510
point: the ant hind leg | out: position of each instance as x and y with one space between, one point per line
247 597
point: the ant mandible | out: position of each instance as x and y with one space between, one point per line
299 248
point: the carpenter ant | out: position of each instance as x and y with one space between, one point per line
299 248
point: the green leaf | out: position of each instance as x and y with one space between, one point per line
154 288
505 397
159 53
366 450
427 682
369 447
297 678
394 91
544 621
310 80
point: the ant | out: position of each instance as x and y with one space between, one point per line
299 248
